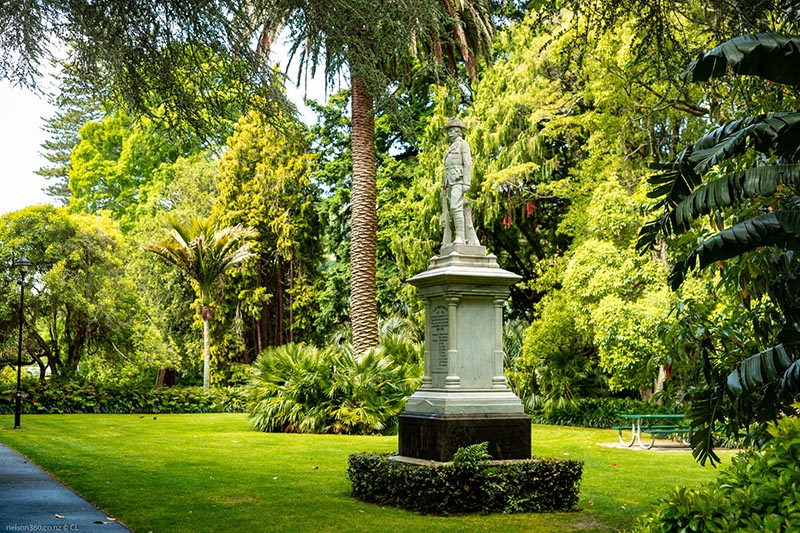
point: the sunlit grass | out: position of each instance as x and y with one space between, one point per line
174 473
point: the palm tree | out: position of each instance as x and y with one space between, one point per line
761 195
203 252
375 41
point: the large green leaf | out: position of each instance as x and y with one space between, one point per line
775 228
791 378
755 182
767 55
758 369
776 133
673 181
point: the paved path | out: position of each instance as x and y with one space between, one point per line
32 500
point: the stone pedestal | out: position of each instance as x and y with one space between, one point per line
464 398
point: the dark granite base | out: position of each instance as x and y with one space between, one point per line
438 437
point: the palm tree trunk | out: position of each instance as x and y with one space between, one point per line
206 356
364 222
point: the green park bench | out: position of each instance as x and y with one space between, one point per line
653 424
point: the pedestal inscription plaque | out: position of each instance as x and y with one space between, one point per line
440 338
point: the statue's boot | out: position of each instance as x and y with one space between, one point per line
458 222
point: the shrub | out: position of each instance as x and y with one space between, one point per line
470 483
59 397
311 390
594 412
758 491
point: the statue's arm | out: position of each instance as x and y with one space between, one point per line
466 158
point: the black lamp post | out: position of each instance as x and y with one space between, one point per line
22 266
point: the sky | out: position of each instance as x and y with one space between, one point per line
20 147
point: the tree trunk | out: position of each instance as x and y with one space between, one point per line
291 300
364 222
206 349
206 357
279 301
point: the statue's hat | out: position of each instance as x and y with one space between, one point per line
455 122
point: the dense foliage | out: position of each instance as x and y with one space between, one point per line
468 484
744 175
758 491
79 304
60 396
300 388
575 101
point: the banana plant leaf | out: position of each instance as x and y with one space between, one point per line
759 369
791 377
767 55
775 228
734 187
703 413
776 133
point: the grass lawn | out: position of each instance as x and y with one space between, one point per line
197 473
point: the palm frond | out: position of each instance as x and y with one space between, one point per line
767 55
754 182
673 181
704 412
678 185
775 228
202 250
758 369
777 133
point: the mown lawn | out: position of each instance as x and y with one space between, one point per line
197 473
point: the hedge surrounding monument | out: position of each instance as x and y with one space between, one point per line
468 484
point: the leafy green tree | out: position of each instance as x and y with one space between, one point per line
329 139
744 174
74 107
116 161
80 304
203 251
264 183
558 154
182 189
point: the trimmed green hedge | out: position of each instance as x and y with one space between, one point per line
59 397
468 484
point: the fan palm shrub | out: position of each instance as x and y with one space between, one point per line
288 389
299 388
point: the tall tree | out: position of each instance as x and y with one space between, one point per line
74 107
184 189
264 183
116 163
557 169
129 51
374 41
204 251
